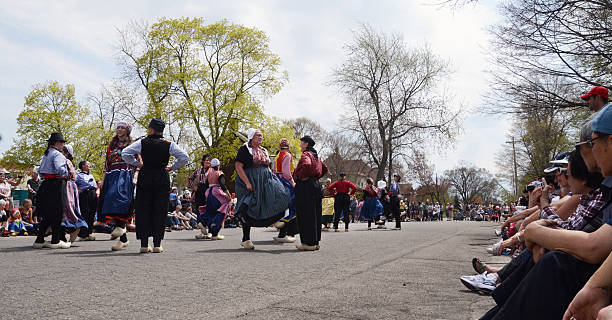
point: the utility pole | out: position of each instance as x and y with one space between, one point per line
513 142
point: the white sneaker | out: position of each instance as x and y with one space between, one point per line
117 232
247 245
120 245
145 249
159 249
485 282
59 245
493 249
217 237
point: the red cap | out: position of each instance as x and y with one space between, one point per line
599 90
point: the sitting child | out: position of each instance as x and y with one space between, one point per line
16 226
193 221
172 221
30 222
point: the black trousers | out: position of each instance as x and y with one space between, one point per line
152 204
51 209
395 210
342 201
308 205
88 202
547 289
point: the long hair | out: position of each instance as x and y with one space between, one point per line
50 144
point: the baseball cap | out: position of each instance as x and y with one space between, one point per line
599 90
560 160
603 120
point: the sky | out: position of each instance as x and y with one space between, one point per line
75 42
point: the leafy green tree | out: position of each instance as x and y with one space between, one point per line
48 108
209 78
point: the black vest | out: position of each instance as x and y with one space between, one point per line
155 152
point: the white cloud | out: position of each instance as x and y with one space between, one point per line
72 41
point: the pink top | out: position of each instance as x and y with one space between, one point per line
286 173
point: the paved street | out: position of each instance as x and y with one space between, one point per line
380 274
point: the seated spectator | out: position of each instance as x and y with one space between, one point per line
16 226
172 221
186 200
193 220
182 219
27 217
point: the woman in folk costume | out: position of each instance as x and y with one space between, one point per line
308 195
284 171
54 171
218 200
198 182
262 197
117 191
383 197
73 220
328 206
371 208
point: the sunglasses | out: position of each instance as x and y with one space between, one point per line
588 142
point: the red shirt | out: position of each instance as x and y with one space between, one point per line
342 187
309 167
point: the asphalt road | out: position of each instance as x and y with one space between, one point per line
380 274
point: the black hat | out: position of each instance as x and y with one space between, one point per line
56 136
308 140
157 124
342 174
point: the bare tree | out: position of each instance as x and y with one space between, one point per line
471 183
393 96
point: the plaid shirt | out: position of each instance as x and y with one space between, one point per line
589 206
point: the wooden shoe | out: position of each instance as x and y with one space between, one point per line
73 235
145 249
217 237
159 249
41 245
59 245
304 247
120 245
248 245
117 232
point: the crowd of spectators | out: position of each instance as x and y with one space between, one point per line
560 237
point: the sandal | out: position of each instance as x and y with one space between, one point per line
479 266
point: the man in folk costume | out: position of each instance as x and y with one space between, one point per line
284 170
343 191
153 186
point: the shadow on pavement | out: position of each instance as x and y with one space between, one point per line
251 251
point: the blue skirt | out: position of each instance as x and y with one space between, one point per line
371 209
291 190
118 193
269 200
